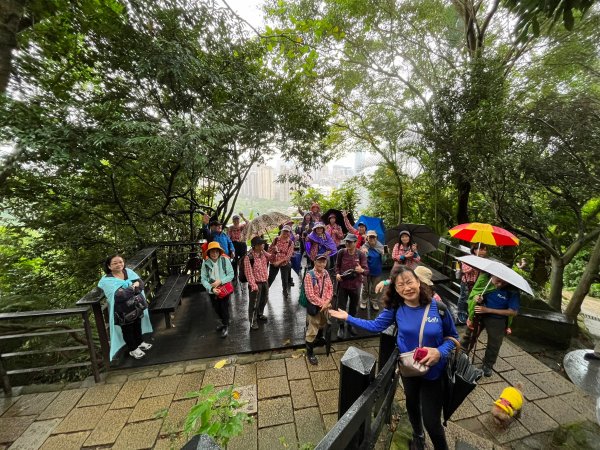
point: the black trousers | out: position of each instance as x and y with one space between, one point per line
240 251
132 334
285 276
349 296
258 301
424 406
221 307
496 327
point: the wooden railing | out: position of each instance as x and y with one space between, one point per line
45 334
362 423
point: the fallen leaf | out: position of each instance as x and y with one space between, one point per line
220 364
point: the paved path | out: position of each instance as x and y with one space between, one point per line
293 404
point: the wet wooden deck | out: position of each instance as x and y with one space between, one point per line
194 335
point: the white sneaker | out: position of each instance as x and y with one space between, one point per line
363 305
137 353
145 346
375 306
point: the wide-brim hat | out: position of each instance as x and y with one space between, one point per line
351 237
257 240
319 225
214 245
286 228
424 274
372 233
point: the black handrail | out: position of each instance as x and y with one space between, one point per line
377 399
16 316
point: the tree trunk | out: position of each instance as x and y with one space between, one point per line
400 198
11 12
589 274
556 283
464 189
539 273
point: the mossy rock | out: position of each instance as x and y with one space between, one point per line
580 435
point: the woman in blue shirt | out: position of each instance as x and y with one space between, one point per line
406 299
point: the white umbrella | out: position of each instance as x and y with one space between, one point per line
498 269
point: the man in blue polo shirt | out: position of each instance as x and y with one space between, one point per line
215 234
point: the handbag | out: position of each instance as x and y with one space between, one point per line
407 366
225 290
349 274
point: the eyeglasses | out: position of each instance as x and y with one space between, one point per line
372 237
403 283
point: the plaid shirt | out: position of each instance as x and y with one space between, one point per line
335 232
258 272
313 293
398 255
281 251
235 233
469 274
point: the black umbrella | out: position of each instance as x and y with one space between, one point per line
462 377
425 238
339 218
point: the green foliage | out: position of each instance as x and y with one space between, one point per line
574 271
217 414
125 114
346 197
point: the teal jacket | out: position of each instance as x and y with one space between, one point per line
225 269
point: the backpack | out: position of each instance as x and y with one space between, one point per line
242 268
303 299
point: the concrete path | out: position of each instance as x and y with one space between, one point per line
292 402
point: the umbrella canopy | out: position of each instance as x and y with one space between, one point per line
498 269
484 233
462 379
374 223
339 218
263 223
425 238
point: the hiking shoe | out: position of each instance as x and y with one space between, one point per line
375 306
363 305
220 328
137 353
263 317
591 356
145 346
312 359
487 371
225 332
254 326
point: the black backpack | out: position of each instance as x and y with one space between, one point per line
242 268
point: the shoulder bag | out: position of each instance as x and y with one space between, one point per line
407 366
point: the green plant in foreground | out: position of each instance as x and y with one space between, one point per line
217 414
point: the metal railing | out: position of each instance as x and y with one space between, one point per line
45 334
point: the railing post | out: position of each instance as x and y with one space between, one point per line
92 350
357 371
6 387
102 334
387 345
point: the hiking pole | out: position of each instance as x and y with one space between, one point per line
477 325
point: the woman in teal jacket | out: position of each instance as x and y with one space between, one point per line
215 273
119 284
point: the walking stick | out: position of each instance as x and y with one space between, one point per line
477 327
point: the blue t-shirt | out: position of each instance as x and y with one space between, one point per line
502 299
409 321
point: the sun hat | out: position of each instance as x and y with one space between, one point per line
351 237
286 228
319 225
372 233
214 245
424 274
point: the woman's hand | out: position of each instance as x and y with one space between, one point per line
338 314
379 287
359 269
432 358
216 290
216 283
409 254
480 309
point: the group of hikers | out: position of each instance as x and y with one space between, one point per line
342 273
